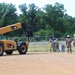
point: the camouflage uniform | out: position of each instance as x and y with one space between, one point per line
68 43
57 45
74 42
52 45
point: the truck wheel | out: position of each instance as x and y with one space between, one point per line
1 50
9 52
22 49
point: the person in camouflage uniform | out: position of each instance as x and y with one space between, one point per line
57 45
74 41
51 45
68 43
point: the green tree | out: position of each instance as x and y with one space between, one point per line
8 15
28 15
54 18
51 19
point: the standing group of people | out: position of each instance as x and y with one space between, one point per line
54 44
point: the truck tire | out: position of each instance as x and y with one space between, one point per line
1 50
9 52
22 49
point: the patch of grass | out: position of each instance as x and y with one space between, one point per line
39 48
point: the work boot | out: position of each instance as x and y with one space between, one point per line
70 50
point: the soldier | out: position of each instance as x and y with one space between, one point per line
74 41
51 44
57 45
68 43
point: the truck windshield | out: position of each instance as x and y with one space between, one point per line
3 37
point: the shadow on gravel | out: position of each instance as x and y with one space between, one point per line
28 53
11 55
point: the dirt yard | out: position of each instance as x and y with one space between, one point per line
36 63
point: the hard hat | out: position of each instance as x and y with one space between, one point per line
68 35
74 34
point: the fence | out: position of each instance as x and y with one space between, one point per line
41 44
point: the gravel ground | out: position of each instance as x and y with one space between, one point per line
38 63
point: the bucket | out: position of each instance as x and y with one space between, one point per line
62 48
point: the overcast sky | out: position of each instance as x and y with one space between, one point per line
69 5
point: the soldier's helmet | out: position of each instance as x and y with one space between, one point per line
74 34
68 35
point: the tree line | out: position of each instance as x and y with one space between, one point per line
50 20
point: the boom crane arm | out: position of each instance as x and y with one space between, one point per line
10 28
